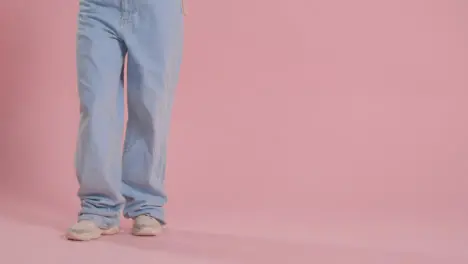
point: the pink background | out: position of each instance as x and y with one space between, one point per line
304 131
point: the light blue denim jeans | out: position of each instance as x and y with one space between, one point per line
112 177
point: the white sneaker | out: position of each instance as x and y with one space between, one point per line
145 225
86 230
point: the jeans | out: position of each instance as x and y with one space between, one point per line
112 178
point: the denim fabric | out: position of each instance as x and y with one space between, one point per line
111 178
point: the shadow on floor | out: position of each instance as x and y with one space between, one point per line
220 248
250 250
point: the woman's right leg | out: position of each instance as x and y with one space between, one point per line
100 60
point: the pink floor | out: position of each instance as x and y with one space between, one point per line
32 233
304 131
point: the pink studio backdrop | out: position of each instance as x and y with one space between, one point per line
333 124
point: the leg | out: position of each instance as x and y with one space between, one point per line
154 58
100 57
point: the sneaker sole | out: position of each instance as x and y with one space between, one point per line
146 231
92 235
